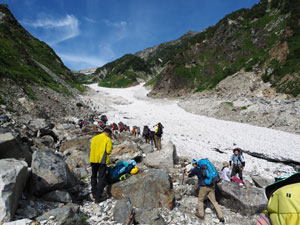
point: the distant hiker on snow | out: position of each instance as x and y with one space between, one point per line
101 147
207 177
158 134
151 137
238 162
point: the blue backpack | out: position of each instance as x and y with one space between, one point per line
208 172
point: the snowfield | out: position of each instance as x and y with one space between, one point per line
198 136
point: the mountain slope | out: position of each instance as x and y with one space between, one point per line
26 60
32 77
263 39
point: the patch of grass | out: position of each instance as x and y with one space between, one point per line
30 93
243 107
230 104
152 81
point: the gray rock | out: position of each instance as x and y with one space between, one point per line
125 152
50 172
37 124
122 210
58 196
150 189
151 217
78 159
62 216
47 140
146 148
19 222
162 159
11 147
13 177
260 181
247 201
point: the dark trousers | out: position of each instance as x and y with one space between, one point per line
236 169
98 179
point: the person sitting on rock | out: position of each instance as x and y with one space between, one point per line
121 171
238 162
101 147
204 191
225 172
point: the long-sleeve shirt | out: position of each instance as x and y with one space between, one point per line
237 160
196 172
226 174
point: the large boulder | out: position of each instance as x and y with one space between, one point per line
261 181
162 159
11 147
147 190
78 159
20 222
58 196
122 211
13 177
125 152
50 172
151 217
247 201
146 148
61 216
81 143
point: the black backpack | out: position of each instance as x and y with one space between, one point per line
103 118
121 126
159 130
146 131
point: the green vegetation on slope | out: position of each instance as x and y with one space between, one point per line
18 50
124 71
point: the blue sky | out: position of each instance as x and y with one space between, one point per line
90 33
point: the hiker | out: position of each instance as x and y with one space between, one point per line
207 185
101 147
238 162
146 134
121 171
226 172
283 202
114 127
158 134
104 118
151 137
133 130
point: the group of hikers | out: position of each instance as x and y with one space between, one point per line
205 171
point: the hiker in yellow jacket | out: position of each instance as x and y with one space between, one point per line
101 147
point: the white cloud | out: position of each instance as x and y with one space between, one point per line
90 20
56 30
118 25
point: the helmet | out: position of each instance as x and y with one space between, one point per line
195 161
132 161
134 170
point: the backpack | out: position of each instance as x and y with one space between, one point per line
283 200
114 126
125 128
159 130
103 118
102 124
146 132
121 126
208 172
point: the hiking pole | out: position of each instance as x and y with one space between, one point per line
183 176
130 217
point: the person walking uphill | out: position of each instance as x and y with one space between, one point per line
238 162
101 147
206 188
158 134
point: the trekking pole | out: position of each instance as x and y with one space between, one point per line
130 217
183 176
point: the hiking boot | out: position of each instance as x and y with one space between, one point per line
200 217
222 220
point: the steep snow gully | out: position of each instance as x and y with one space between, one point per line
200 136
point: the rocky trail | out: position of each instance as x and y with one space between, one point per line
45 173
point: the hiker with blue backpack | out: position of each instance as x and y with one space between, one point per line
207 178
237 163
